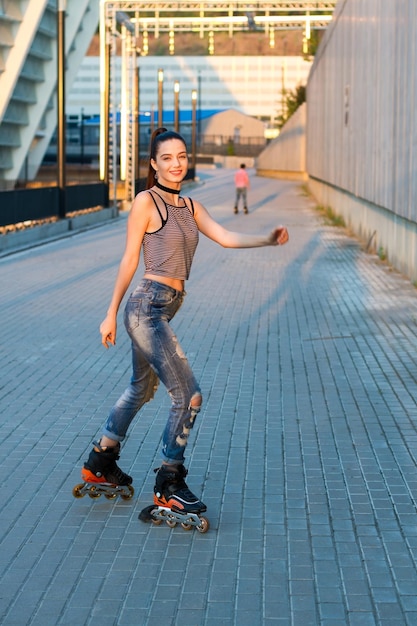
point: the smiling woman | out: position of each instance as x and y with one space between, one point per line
167 226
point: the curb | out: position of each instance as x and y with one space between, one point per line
38 235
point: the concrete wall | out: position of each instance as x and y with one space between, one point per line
362 124
285 156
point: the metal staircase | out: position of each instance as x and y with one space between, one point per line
28 72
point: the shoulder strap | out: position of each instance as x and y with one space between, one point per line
192 204
163 220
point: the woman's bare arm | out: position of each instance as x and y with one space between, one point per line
230 239
137 225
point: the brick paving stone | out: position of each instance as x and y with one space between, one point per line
304 451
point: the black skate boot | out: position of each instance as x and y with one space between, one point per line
101 467
172 491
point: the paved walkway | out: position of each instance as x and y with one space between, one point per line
305 451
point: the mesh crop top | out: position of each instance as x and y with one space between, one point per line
170 250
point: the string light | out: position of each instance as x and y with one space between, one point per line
211 42
171 42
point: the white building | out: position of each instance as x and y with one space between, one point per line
253 85
28 76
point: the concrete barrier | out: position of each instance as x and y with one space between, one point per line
285 156
29 237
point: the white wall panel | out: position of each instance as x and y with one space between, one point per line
285 156
362 109
362 97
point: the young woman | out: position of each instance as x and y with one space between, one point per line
166 225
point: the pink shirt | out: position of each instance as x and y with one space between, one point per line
241 178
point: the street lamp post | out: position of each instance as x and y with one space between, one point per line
160 97
82 137
152 118
177 106
136 120
105 66
61 6
194 130
199 96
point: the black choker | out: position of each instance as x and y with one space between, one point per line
167 189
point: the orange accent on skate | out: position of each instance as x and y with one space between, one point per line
162 501
89 477
159 501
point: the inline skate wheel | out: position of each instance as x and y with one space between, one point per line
171 523
93 493
203 526
128 496
76 492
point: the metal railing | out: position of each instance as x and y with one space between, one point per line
22 205
226 146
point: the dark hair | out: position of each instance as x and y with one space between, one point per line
243 165
159 136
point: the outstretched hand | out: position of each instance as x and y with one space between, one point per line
279 236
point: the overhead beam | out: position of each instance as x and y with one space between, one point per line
213 5
238 23
139 17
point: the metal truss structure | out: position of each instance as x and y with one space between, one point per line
129 23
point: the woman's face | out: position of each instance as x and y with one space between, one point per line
171 161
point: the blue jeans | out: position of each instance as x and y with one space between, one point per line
156 355
241 192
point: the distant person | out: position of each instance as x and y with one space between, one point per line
242 185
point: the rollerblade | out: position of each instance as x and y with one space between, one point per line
173 501
102 475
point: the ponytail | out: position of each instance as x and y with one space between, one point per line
159 136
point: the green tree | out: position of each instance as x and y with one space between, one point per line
292 101
313 43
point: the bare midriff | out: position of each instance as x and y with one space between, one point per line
174 283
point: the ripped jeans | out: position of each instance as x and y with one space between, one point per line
156 355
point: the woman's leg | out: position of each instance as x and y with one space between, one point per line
159 345
157 342
170 488
101 464
142 388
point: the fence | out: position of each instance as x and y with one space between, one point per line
226 146
21 205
